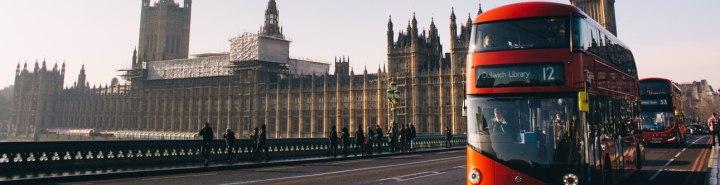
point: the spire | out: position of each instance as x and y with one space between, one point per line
134 57
44 67
390 33
272 23
25 66
81 77
390 24
453 28
452 15
469 20
414 22
480 11
55 67
17 69
432 23
37 66
62 69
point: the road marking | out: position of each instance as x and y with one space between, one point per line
449 152
713 157
355 161
673 159
413 176
343 171
460 167
179 176
274 169
405 156
696 166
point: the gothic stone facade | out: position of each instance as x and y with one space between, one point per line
700 100
257 92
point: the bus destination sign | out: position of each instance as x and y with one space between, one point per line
654 102
520 75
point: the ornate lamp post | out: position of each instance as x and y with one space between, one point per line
393 97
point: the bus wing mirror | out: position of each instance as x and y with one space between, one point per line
583 102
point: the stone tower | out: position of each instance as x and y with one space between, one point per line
164 30
459 43
342 66
410 58
36 99
603 11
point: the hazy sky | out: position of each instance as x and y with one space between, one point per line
670 38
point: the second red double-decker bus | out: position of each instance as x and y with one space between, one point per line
552 98
662 114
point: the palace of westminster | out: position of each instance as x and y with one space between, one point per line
257 83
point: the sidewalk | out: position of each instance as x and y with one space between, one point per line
179 169
713 164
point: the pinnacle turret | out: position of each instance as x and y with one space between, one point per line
480 10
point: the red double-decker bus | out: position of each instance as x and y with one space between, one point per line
662 114
552 98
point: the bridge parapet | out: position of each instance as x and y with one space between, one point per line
74 156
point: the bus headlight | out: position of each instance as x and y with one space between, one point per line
475 176
570 179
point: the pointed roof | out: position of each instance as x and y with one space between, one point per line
390 23
452 15
480 10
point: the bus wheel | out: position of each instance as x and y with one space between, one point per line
607 171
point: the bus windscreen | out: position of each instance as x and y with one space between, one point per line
532 33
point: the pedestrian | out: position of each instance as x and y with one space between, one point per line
370 140
359 141
448 137
333 141
262 142
254 142
378 138
207 138
413 134
714 125
392 134
229 137
345 137
403 137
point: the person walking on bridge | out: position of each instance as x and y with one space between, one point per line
379 138
262 142
714 125
403 136
413 133
345 137
230 144
370 140
359 141
448 137
393 137
254 142
207 138
333 141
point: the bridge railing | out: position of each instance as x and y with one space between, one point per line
69 156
